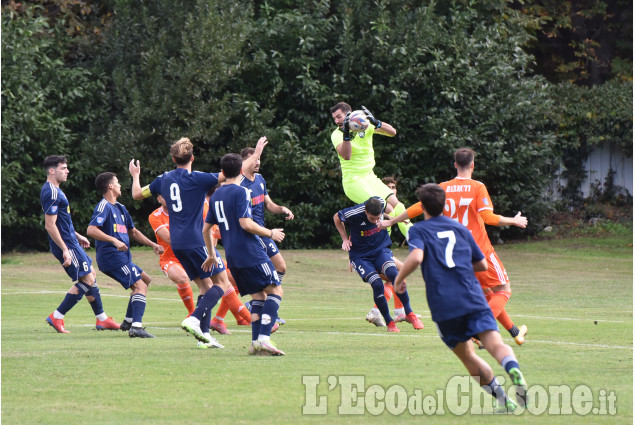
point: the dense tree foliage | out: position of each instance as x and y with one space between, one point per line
126 80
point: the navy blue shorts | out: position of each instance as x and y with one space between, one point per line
193 259
251 280
462 328
377 263
269 245
80 261
127 275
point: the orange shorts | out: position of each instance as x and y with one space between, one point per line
495 275
165 265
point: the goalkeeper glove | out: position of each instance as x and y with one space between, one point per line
374 121
346 130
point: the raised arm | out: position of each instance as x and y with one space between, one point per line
260 145
381 127
135 171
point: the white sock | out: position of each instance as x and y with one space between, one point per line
101 317
57 315
136 324
264 338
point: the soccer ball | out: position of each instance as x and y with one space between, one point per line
357 121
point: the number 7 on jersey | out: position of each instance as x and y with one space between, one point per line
449 248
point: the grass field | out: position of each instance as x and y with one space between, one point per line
575 295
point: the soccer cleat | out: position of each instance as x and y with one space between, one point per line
414 321
213 343
107 324
374 317
242 322
392 327
190 325
267 348
275 327
520 338
125 326
219 327
478 343
58 324
521 386
137 332
400 318
509 407
280 321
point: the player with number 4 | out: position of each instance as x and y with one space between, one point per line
468 202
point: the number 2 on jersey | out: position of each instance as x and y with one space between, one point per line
450 206
220 214
449 249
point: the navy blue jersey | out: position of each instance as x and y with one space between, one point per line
185 193
113 220
226 206
257 191
367 239
54 202
448 253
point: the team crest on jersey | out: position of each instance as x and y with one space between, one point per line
485 201
361 134
54 209
100 220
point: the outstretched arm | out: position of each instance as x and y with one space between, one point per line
260 145
274 208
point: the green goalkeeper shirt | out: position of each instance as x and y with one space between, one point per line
362 159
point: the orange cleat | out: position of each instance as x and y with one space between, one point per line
392 327
414 321
58 324
107 324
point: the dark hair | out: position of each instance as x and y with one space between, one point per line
231 164
53 161
345 107
464 157
247 152
374 206
389 179
211 191
432 196
103 180
182 151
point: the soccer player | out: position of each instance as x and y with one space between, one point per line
357 159
111 226
260 200
449 256
469 203
369 253
67 246
160 222
253 271
184 192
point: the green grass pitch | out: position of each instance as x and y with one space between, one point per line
575 295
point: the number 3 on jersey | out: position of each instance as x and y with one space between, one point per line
449 248
450 206
220 214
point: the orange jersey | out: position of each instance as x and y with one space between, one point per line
159 219
467 202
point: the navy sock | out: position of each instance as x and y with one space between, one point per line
138 304
495 390
198 300
71 299
256 308
207 317
269 314
129 309
405 300
209 300
378 294
96 304
509 362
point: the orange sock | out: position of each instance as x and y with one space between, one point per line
497 301
235 305
396 300
185 292
222 310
